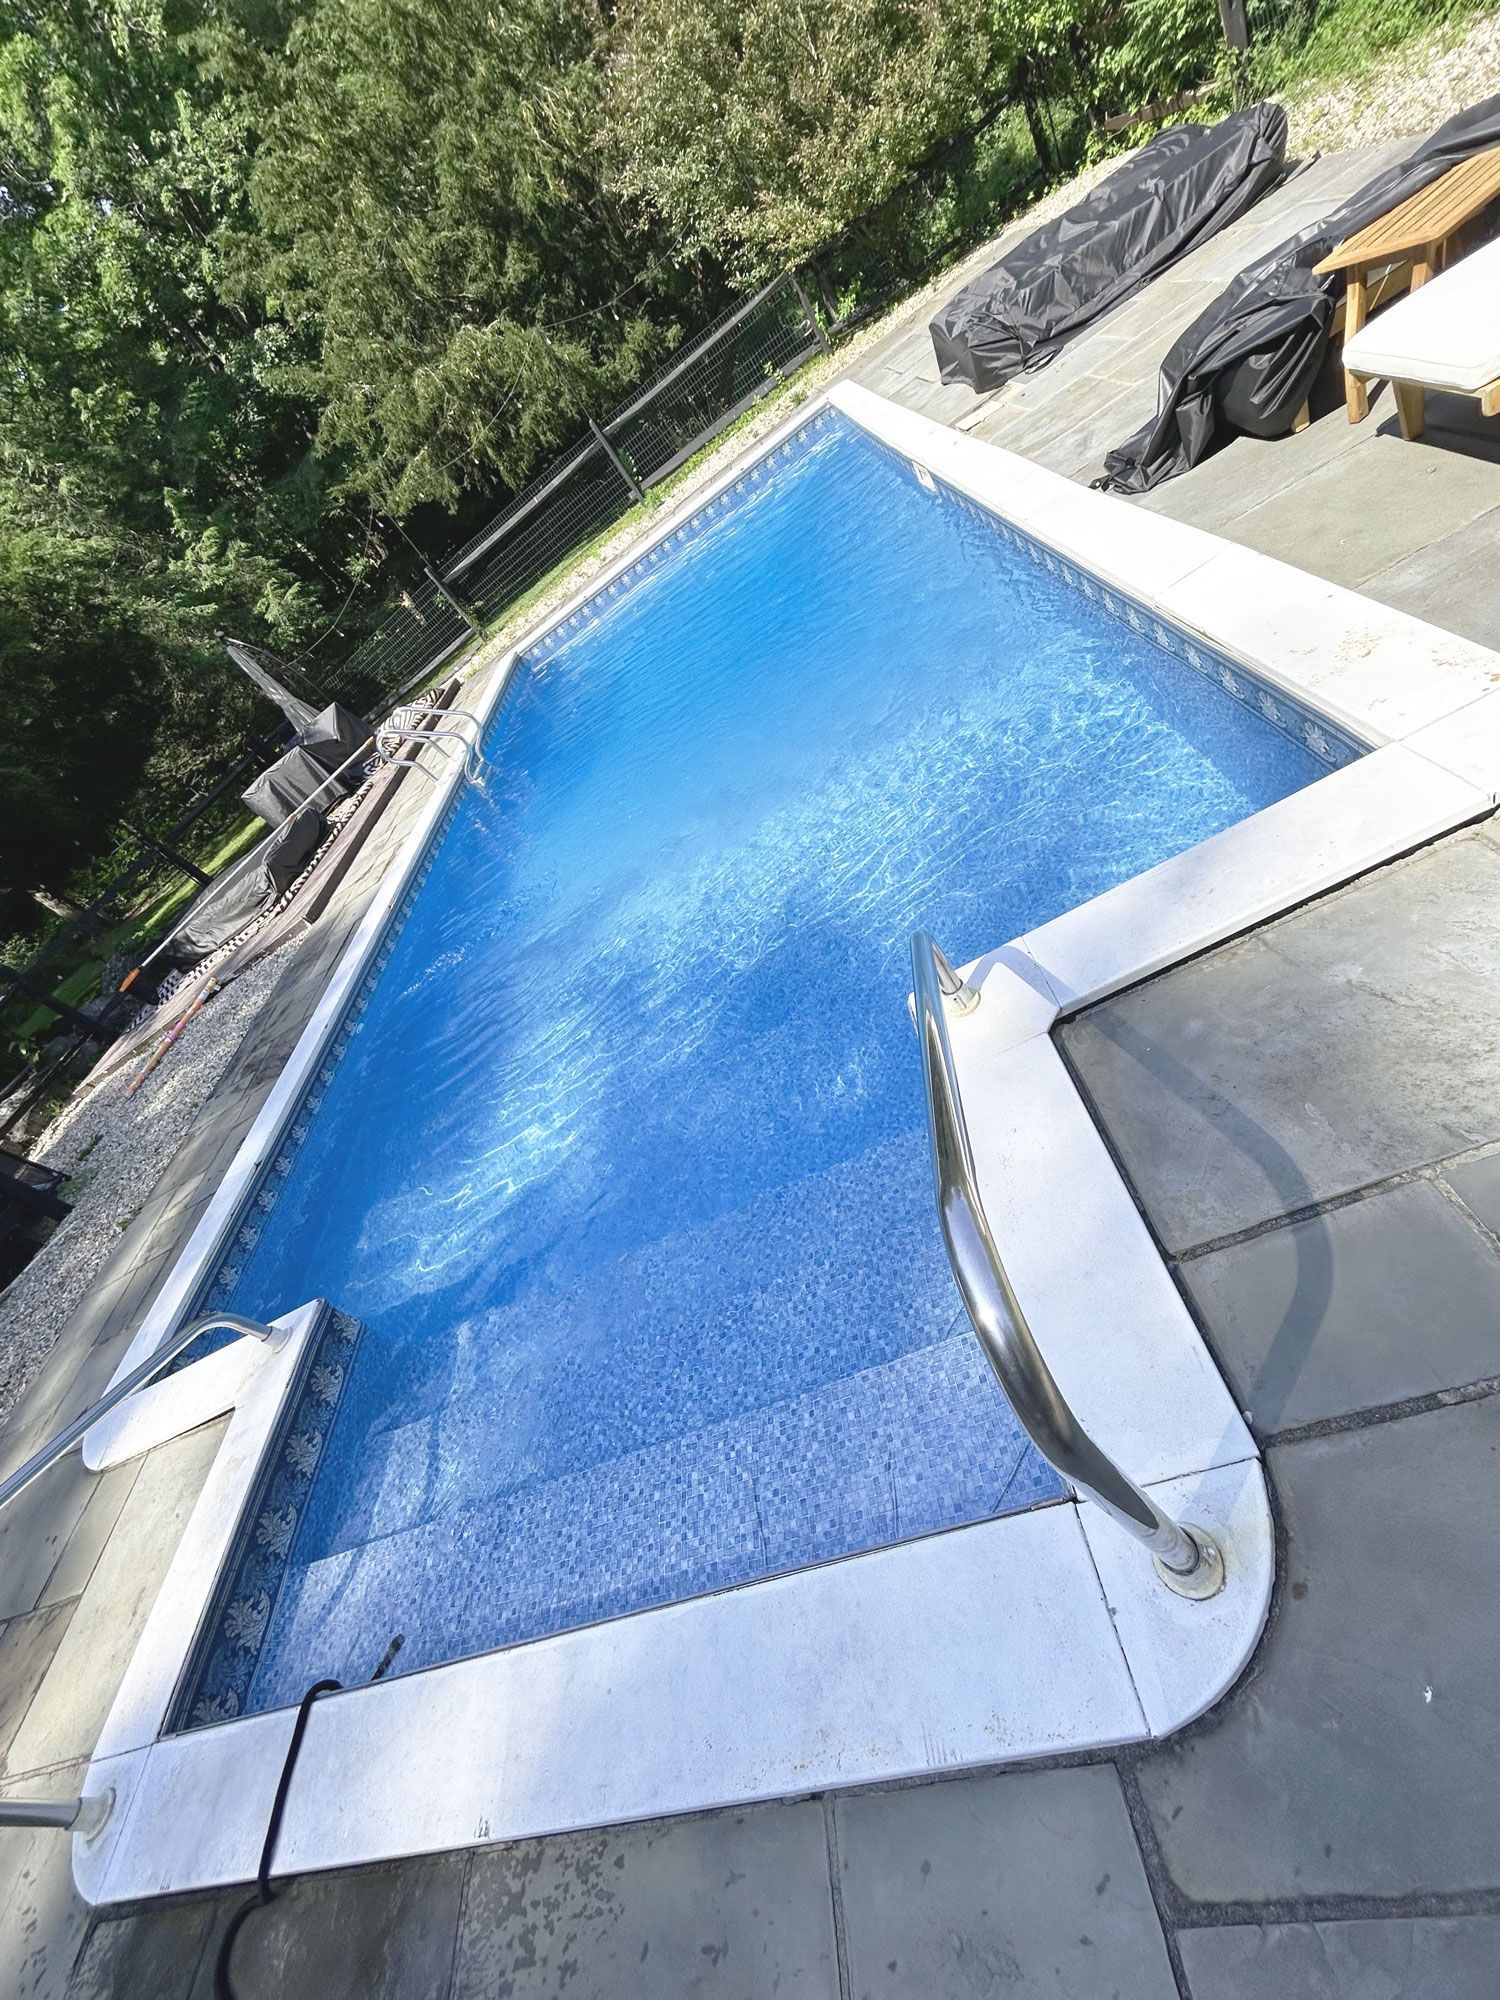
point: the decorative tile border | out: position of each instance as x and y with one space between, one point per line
221 1666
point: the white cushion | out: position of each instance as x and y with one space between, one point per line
1445 335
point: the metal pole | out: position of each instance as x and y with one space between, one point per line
617 462
138 1377
814 324
1186 1557
178 861
85 1815
80 1023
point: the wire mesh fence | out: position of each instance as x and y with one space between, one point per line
702 389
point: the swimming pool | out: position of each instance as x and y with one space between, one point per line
621 1161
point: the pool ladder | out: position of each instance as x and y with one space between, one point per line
416 722
1187 1558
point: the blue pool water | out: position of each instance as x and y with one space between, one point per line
624 1167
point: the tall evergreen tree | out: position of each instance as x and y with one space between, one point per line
430 189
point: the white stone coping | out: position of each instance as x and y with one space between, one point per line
1039 1632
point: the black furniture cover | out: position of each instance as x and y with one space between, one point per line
287 785
1248 361
1181 188
333 736
329 740
247 887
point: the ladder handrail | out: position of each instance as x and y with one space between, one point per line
86 1815
405 725
127 1385
1186 1557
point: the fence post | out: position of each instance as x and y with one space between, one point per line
79 1023
617 462
179 861
444 592
814 325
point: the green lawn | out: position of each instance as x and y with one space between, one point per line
139 928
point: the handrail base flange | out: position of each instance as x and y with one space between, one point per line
1206 1578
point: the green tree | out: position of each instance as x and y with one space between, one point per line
135 392
142 438
429 197
757 132
79 677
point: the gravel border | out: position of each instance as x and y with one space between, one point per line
1405 95
116 1148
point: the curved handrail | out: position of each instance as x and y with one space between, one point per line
127 1385
86 1815
1186 1557
399 735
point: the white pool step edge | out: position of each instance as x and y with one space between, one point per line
1038 1633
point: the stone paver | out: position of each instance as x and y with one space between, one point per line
155 1954
1029 1884
1477 1185
1360 1759
1377 503
34 1529
1389 1298
1233 1102
43 1919
373 1934
92 1530
1458 574
732 1907
70 1709
1395 1958
27 1647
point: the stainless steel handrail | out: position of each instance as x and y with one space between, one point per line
1187 1557
82 1815
403 726
127 1385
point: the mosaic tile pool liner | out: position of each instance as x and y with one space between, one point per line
1330 745
229 1651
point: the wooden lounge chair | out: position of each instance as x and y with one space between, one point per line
1416 237
1445 336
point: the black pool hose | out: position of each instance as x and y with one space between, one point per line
223 1987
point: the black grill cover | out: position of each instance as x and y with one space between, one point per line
1176 192
247 887
1248 361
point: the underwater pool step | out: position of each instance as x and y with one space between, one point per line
921 1443
681 1333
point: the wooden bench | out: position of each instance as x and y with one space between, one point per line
1420 231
